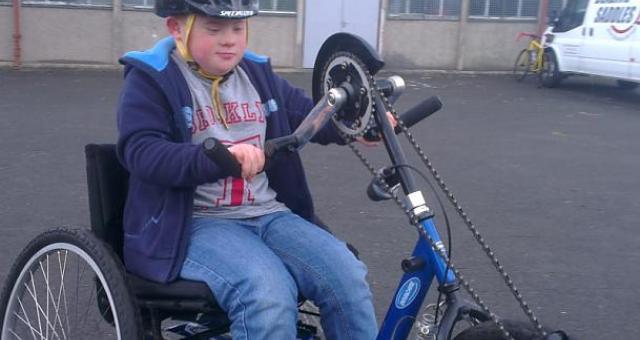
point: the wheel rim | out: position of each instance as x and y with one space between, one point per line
56 297
521 66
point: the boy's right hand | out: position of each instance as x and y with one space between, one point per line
250 158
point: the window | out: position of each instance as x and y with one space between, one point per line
571 16
425 8
555 7
283 6
138 3
525 9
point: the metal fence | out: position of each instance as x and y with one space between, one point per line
527 9
425 8
478 9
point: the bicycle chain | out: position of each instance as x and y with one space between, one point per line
479 239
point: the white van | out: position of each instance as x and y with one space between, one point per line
594 37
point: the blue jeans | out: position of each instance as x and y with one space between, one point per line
256 267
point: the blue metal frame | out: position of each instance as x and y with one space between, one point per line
415 283
414 286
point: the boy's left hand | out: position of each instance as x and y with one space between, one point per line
393 123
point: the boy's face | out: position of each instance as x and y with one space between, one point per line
217 45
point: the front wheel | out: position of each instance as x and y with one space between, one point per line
522 65
66 284
550 74
489 331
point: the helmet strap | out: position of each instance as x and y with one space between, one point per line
183 50
183 46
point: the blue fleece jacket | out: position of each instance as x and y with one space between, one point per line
154 145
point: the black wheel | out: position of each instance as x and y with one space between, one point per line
627 85
550 75
309 326
522 65
66 284
489 331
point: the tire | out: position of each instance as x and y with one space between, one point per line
67 284
522 66
309 326
489 331
627 85
550 75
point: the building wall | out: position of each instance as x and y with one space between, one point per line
273 36
140 30
492 45
6 34
100 36
418 44
429 44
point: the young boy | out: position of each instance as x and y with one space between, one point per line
251 239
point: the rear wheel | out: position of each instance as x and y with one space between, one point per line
489 331
309 326
66 284
550 75
522 65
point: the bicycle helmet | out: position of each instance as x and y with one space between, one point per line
226 9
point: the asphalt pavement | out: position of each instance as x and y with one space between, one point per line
549 177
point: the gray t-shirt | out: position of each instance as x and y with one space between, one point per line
245 117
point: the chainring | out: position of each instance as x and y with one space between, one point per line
345 70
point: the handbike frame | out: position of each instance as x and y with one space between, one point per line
427 263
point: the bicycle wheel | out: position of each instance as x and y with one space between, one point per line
66 284
309 326
550 75
489 331
522 65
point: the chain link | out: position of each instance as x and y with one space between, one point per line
479 239
440 251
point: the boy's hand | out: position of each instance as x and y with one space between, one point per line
393 123
250 158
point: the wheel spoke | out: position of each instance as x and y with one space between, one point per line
14 334
108 309
34 331
41 302
40 310
86 311
28 322
51 300
45 277
35 298
62 293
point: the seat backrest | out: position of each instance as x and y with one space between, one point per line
107 182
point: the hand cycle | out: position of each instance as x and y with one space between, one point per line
64 265
349 98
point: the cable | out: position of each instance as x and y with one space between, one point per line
448 228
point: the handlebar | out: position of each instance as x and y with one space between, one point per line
419 112
528 35
315 120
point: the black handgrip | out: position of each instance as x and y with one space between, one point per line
220 154
275 145
419 112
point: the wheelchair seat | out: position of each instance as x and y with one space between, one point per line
107 183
